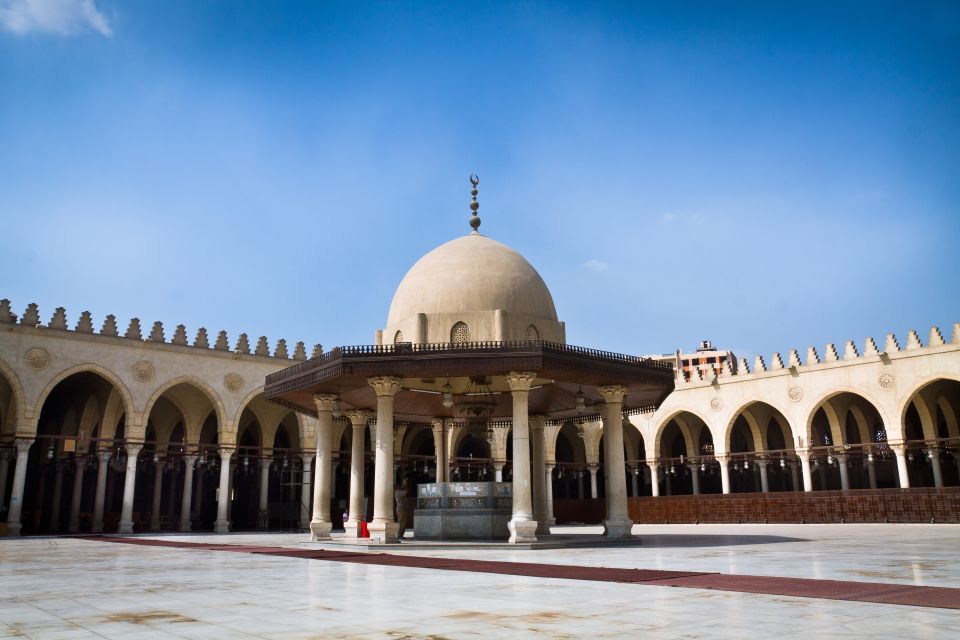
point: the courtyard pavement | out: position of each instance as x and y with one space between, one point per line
81 588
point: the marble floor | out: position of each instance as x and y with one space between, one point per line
71 588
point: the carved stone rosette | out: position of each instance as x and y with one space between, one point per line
37 358
232 382
143 371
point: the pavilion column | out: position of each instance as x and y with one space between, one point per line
695 478
550 519
187 496
222 525
795 476
539 478
157 494
129 485
321 524
804 456
57 497
358 420
4 470
871 471
593 468
263 508
522 526
16 491
384 527
306 495
654 480
617 523
79 469
440 450
100 497
724 473
764 480
844 472
934 456
900 451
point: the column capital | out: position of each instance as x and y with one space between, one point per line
104 456
325 402
437 424
520 380
358 417
385 386
23 445
898 447
225 454
307 459
612 394
190 458
133 450
538 423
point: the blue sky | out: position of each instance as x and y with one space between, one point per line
761 174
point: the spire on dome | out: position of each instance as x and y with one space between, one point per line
474 205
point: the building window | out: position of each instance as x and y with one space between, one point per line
532 333
398 337
460 333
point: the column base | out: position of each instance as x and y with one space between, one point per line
125 527
522 531
13 528
617 528
186 526
154 526
263 519
320 530
383 532
543 527
221 526
305 525
350 528
96 528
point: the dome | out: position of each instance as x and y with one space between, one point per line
472 274
472 289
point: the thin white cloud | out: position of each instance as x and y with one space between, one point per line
595 265
668 217
62 17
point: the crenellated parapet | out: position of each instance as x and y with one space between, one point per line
134 332
831 357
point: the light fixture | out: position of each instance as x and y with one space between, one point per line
50 453
581 401
156 458
447 395
246 462
703 466
783 463
870 457
746 464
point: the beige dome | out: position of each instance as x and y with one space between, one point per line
465 277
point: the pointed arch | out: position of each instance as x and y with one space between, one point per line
124 395
205 389
19 401
824 401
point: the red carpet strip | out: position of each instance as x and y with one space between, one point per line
846 590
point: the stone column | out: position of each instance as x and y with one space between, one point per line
306 495
592 468
550 519
580 484
522 526
844 472
157 494
667 481
73 524
724 473
384 527
498 470
197 505
871 473
634 482
764 480
187 496
321 523
900 451
129 485
934 456
16 492
358 420
804 456
57 497
795 476
222 525
539 478
263 508
617 523
4 469
440 450
695 478
654 480
101 495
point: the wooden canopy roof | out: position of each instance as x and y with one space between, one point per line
562 372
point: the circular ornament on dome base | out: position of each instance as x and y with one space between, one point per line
232 382
885 381
37 358
143 371
795 393
716 404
